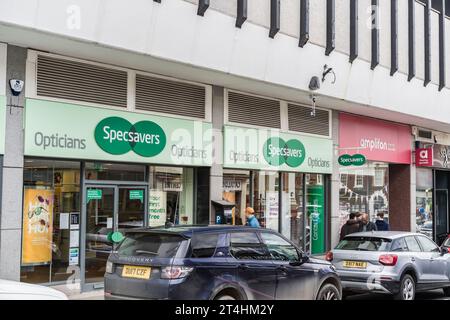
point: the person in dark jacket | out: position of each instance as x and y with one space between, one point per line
366 224
351 226
381 224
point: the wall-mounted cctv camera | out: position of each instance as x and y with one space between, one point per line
314 84
16 86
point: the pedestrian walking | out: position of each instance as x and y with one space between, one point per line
351 226
382 225
366 224
252 221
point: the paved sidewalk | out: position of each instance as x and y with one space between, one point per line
73 292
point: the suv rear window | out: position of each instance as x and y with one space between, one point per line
150 244
204 245
364 244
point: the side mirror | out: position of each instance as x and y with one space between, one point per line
444 251
303 258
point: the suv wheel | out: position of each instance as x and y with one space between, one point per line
447 291
224 297
328 292
407 289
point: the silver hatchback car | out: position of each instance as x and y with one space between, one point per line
396 263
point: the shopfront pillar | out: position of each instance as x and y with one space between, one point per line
11 193
216 175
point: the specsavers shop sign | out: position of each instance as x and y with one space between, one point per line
80 132
265 149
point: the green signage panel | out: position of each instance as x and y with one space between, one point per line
94 194
265 149
2 123
137 195
73 131
347 160
315 204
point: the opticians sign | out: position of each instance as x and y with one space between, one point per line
263 149
73 131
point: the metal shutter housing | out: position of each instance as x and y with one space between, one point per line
72 80
301 120
253 110
171 97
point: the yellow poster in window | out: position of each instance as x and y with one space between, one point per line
37 226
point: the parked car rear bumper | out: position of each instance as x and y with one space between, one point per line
375 286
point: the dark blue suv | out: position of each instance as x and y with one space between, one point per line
216 262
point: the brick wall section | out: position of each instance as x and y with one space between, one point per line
399 197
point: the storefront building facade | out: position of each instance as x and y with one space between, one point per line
285 177
377 183
432 160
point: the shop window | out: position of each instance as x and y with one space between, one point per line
344 178
365 191
51 216
424 201
236 185
114 171
266 198
171 195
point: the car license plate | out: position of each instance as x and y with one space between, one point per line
355 264
136 272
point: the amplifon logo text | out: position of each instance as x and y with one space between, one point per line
118 136
278 152
376 144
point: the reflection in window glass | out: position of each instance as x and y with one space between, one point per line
365 190
114 171
266 198
236 188
293 225
171 195
424 201
61 179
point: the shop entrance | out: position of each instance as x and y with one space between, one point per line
441 218
108 209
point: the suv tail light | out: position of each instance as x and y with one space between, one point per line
388 259
175 272
329 256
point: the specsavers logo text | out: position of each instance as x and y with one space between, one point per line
117 136
278 152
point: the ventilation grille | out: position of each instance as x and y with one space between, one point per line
166 96
300 120
65 79
253 110
425 134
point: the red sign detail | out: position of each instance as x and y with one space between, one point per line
424 157
377 140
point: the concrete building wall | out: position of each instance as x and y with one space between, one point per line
12 179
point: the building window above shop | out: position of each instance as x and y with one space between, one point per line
359 179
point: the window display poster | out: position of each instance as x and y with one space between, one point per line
75 221
271 211
64 221
74 254
157 208
37 226
74 238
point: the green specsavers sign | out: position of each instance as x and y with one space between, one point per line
81 132
2 123
265 149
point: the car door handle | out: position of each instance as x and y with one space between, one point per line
243 266
413 259
282 269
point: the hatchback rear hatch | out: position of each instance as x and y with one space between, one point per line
360 255
141 265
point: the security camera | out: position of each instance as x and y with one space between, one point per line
314 84
16 86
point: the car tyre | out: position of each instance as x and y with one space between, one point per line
407 289
328 292
224 297
447 291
